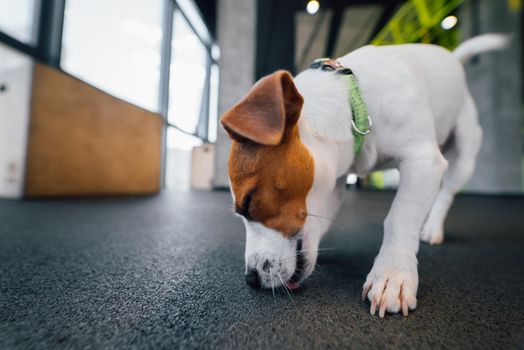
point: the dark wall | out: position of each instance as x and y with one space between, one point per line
275 36
208 8
276 29
495 82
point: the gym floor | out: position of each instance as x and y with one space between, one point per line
167 272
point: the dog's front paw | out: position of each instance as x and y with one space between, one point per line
432 233
392 284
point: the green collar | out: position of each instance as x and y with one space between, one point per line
361 122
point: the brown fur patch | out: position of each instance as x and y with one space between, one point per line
271 171
278 178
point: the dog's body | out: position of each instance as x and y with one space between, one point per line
288 164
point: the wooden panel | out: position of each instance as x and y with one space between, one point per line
85 142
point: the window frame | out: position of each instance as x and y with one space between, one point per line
202 129
47 47
48 23
207 40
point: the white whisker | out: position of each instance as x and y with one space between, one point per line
285 288
272 285
329 219
315 250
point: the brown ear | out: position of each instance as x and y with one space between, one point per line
271 105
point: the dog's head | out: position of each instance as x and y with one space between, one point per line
271 173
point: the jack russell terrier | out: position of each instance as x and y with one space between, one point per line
295 140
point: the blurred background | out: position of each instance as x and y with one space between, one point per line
123 96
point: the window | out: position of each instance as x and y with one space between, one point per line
18 19
213 103
116 46
157 54
188 75
193 97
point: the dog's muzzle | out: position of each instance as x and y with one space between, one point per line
293 282
253 277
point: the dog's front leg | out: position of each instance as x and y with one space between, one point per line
393 281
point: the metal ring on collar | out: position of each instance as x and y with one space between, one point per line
360 131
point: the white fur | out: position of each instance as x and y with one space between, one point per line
265 246
417 97
479 44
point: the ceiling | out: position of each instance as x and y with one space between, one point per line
288 37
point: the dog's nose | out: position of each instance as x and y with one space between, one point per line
252 278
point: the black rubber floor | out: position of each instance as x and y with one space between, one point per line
167 272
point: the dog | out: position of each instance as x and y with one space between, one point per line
294 140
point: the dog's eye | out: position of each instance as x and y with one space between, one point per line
244 208
295 234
